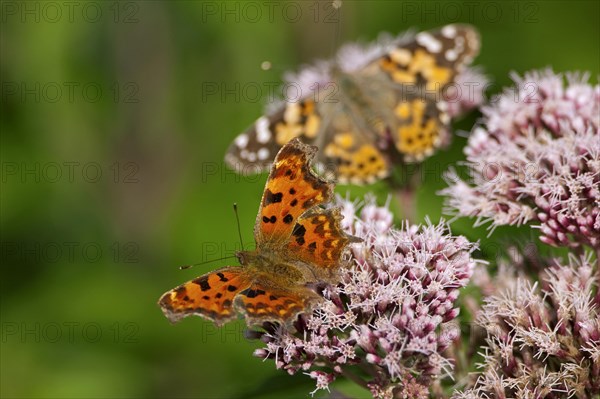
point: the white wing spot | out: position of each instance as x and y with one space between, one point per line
252 157
429 42
263 154
449 31
263 134
242 140
451 55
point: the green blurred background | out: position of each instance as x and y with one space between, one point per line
112 175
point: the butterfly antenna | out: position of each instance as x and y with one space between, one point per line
184 267
237 218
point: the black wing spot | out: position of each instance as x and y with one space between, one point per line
292 191
222 277
287 219
299 232
231 288
272 198
271 219
273 298
203 283
294 202
312 247
219 295
250 293
206 297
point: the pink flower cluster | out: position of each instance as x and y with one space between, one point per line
536 158
542 343
388 322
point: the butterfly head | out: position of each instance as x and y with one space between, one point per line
246 257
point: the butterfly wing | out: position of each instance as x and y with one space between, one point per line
210 296
319 241
345 135
421 70
290 221
261 303
253 151
292 188
351 147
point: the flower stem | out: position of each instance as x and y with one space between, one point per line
355 378
406 199
404 189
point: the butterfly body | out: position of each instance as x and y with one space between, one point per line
297 242
365 119
272 268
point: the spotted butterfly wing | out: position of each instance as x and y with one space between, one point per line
210 296
292 188
420 71
262 302
290 221
373 117
347 134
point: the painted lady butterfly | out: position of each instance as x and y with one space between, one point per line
369 112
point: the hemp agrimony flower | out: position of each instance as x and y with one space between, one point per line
389 320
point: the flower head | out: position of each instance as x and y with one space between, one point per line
391 314
543 342
536 157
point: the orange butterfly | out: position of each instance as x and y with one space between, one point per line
297 242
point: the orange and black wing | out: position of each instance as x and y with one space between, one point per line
210 296
292 188
260 303
319 241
